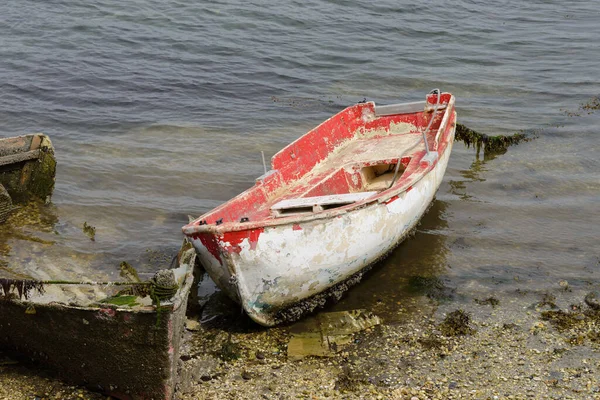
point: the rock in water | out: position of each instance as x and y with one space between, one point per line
593 301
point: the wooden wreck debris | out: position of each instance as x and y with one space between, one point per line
6 205
27 170
124 346
328 333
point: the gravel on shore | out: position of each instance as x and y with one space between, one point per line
522 346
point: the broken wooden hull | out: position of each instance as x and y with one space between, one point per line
281 267
27 170
127 353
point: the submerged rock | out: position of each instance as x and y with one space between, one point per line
593 301
492 301
328 333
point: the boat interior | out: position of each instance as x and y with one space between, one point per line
352 156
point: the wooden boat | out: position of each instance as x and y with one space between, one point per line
27 169
336 200
104 336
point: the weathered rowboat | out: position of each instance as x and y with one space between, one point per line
336 200
120 339
27 169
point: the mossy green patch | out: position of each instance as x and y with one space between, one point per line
562 320
129 301
43 175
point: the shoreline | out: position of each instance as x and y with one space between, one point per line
516 347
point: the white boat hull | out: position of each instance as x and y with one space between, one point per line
288 264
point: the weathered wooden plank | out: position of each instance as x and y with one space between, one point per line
27 166
334 199
16 144
19 157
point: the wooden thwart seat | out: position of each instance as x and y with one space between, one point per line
306 205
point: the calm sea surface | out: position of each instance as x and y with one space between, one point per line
160 109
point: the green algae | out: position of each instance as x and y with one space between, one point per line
33 178
43 174
90 231
491 145
6 205
579 323
10 178
431 343
563 320
346 382
163 285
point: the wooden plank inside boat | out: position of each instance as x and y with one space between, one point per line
317 203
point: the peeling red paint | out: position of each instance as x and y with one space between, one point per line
240 217
337 175
232 240
391 199
210 242
106 313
